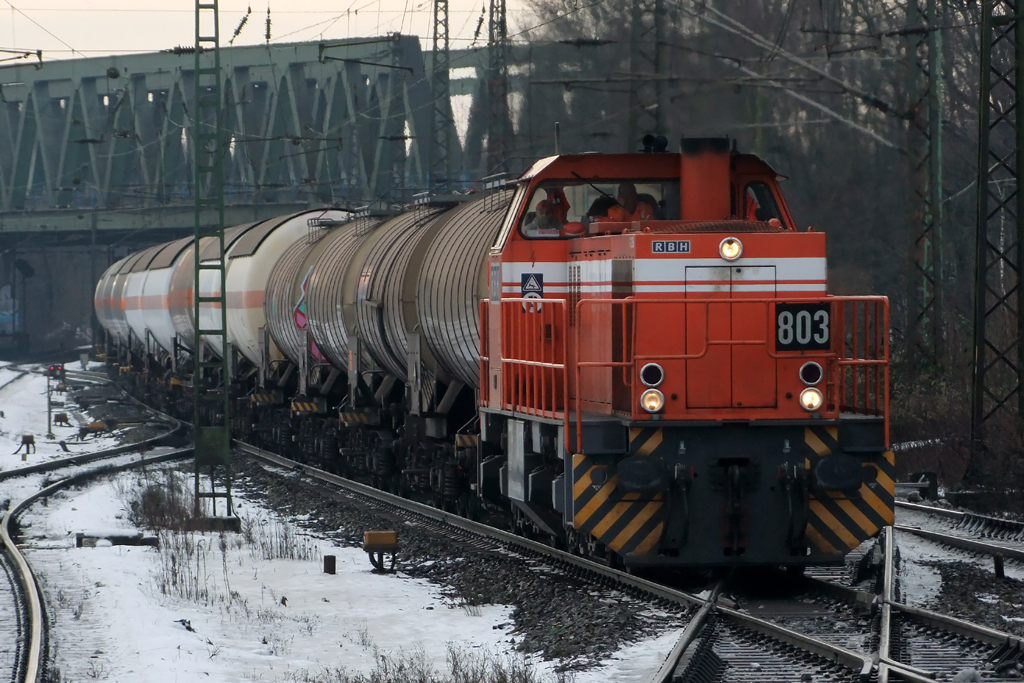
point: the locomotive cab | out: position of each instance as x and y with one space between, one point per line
669 380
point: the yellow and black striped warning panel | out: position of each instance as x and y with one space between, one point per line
466 440
362 417
266 398
628 522
838 522
307 407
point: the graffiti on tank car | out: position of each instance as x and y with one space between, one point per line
301 320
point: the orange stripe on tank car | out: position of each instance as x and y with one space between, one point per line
179 298
249 299
153 302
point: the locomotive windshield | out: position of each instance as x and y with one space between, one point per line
561 209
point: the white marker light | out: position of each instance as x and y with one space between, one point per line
652 400
811 399
730 248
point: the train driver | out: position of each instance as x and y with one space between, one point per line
549 215
630 208
545 221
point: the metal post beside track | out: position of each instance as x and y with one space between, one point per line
211 379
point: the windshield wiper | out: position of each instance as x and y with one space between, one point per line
599 190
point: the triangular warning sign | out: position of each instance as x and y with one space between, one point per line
531 285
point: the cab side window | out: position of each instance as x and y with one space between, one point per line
759 203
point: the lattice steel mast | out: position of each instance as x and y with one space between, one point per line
998 398
646 57
926 108
499 125
211 378
440 88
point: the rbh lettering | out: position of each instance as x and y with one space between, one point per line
670 246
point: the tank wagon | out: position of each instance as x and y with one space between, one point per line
635 355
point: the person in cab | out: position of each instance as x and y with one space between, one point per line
630 207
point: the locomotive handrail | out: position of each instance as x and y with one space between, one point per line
532 381
535 358
875 393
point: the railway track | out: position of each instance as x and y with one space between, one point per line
720 642
754 648
981 534
917 645
897 642
22 609
174 428
22 591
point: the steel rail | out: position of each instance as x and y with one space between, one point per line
970 520
689 634
887 604
982 634
85 458
964 543
931 509
23 572
854 661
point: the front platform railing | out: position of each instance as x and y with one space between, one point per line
545 363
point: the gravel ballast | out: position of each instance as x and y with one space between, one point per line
558 617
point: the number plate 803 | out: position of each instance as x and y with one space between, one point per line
803 327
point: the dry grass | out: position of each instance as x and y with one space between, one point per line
461 666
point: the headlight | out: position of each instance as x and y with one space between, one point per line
811 373
730 248
652 400
652 375
811 399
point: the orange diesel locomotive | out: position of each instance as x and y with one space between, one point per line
680 389
634 354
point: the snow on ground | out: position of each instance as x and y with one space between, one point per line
919 583
113 622
23 403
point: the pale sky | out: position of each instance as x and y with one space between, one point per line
98 27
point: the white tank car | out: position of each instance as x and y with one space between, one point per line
155 314
179 298
135 281
250 262
107 312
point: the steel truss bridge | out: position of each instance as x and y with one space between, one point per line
103 144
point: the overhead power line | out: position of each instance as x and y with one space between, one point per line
43 28
717 18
